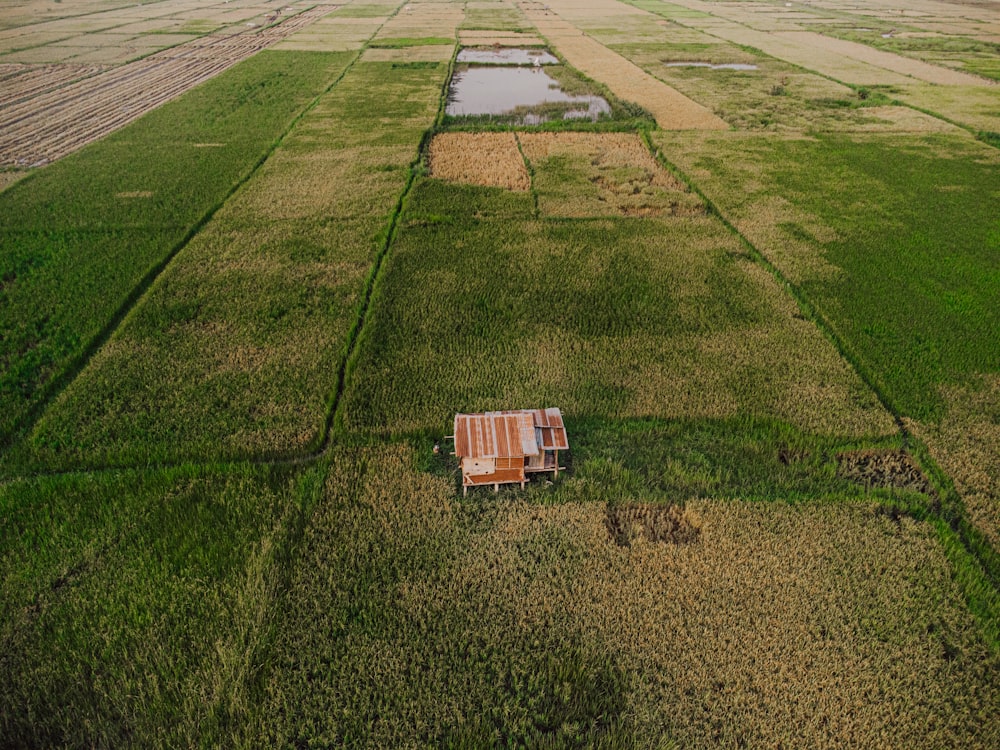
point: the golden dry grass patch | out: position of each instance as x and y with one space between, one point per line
893 119
769 618
489 159
601 174
897 63
9 178
788 235
501 41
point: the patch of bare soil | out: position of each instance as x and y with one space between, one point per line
895 469
669 524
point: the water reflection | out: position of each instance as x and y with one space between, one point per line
512 90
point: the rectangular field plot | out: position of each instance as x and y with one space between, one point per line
237 346
131 602
79 236
894 239
617 623
480 308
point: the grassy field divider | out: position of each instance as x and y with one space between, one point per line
977 567
531 176
334 420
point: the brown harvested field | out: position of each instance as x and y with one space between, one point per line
332 34
423 19
490 159
956 95
30 80
613 174
62 120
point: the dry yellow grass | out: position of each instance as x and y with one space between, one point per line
490 159
481 38
897 63
767 628
603 174
817 625
420 53
9 178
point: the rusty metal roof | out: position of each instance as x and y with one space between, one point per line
509 434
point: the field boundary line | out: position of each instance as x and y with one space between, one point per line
59 383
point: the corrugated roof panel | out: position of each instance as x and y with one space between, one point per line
526 426
474 436
508 434
512 433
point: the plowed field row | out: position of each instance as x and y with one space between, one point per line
58 122
31 81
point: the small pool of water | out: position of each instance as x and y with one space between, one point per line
719 66
517 92
508 56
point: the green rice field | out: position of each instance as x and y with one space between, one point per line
234 335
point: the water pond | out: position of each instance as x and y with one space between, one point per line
521 96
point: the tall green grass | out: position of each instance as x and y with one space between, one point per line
916 247
80 237
134 603
610 317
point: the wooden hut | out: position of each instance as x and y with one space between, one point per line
503 447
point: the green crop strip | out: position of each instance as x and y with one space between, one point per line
134 609
82 238
976 564
237 345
